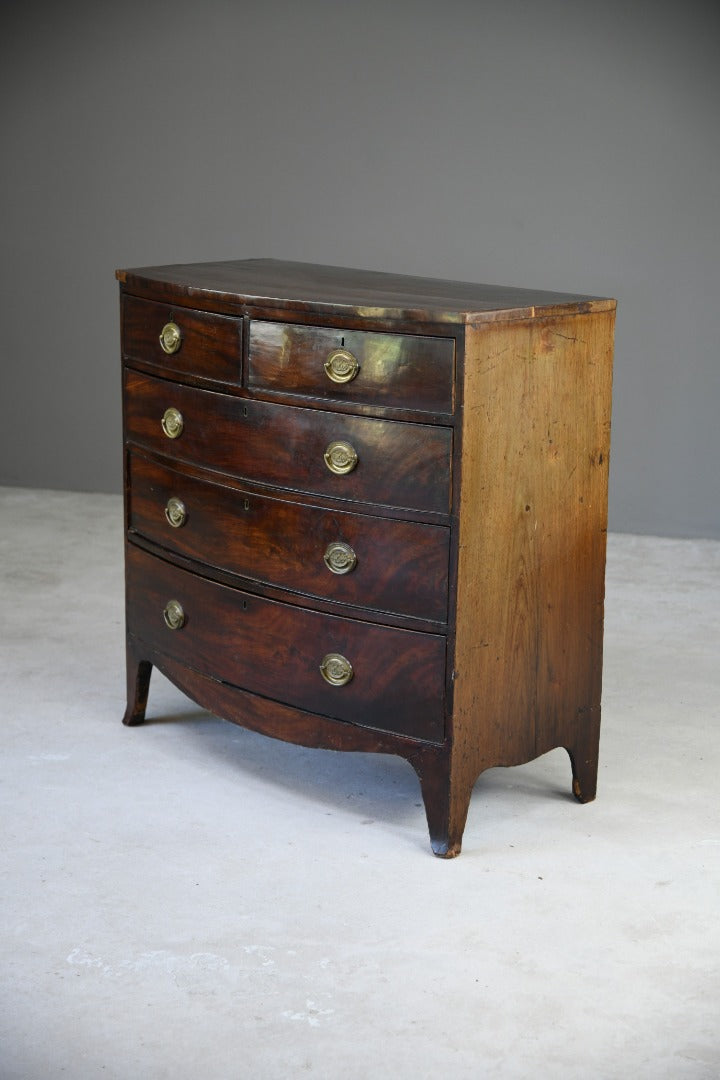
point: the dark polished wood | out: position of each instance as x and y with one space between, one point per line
273 284
276 650
291 724
402 567
399 464
404 371
473 619
139 671
210 346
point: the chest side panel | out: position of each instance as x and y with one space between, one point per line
533 522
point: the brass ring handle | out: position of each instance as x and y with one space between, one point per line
170 338
341 366
175 512
340 458
340 557
172 423
336 670
174 615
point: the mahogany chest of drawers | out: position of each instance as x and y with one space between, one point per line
368 512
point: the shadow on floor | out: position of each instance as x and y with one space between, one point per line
380 786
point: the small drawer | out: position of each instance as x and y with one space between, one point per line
357 458
182 341
374 676
389 370
395 566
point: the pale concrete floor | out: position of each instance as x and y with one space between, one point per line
191 900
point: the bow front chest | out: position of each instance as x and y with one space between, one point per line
368 512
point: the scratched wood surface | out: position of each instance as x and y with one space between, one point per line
210 345
406 371
399 464
336 290
276 650
533 522
402 566
507 494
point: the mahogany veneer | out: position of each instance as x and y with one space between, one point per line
368 512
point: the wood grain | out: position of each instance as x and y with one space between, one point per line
276 649
404 465
211 345
486 511
265 284
536 443
405 371
402 567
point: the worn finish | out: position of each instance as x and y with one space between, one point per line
210 345
273 284
397 370
276 650
527 670
366 548
405 465
400 566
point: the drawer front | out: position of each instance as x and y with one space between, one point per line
390 370
395 566
274 649
203 344
397 464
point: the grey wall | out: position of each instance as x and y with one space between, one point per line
559 145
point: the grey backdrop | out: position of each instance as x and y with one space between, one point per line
560 145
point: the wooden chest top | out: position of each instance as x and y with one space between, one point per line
306 287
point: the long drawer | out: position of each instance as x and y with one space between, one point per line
394 566
357 458
396 677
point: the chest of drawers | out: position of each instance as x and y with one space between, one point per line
368 512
